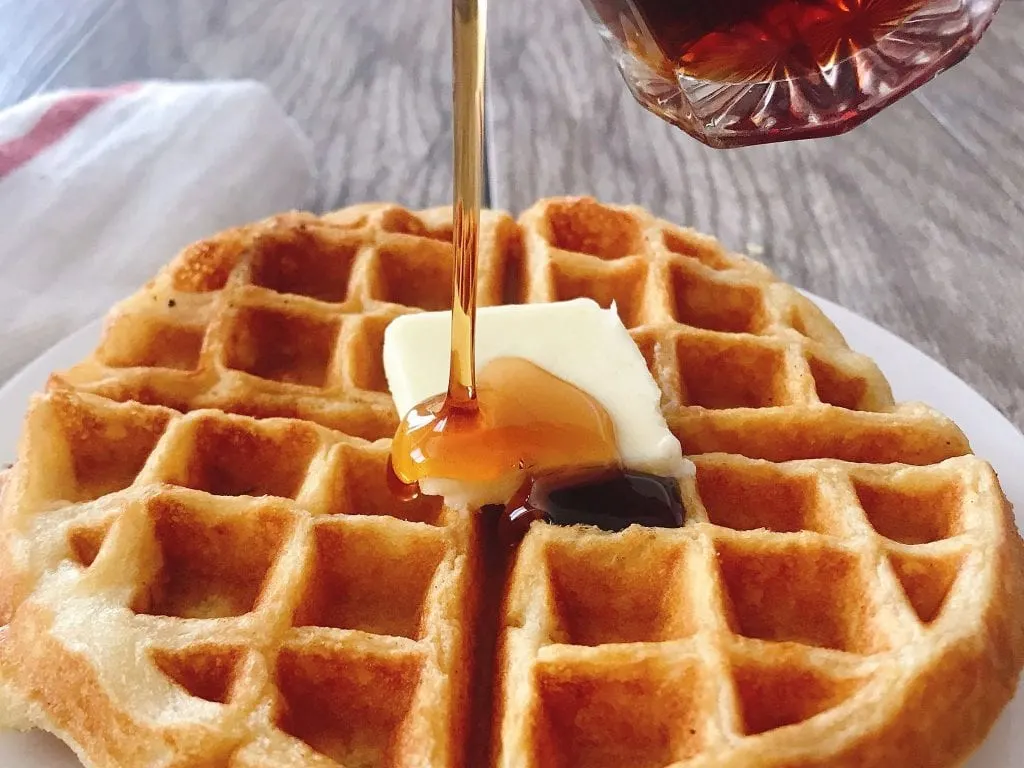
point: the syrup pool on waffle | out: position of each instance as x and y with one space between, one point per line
521 417
564 398
530 421
606 497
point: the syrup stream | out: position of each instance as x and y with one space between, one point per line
469 29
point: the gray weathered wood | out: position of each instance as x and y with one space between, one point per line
896 220
372 89
981 100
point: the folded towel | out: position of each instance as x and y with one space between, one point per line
99 188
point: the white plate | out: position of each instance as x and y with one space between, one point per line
914 376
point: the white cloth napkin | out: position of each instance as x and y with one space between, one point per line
100 188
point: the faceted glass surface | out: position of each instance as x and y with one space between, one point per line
739 72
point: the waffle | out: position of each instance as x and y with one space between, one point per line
191 550
185 584
286 318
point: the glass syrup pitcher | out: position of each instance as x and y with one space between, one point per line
738 72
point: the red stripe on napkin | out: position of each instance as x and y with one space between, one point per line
54 124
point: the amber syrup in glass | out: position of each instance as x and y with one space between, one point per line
737 40
740 72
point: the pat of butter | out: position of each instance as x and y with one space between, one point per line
576 341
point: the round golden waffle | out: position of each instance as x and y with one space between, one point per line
182 584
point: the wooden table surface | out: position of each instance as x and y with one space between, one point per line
914 220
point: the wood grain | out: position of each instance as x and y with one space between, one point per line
372 90
981 100
896 220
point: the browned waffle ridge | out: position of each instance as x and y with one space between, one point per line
184 585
